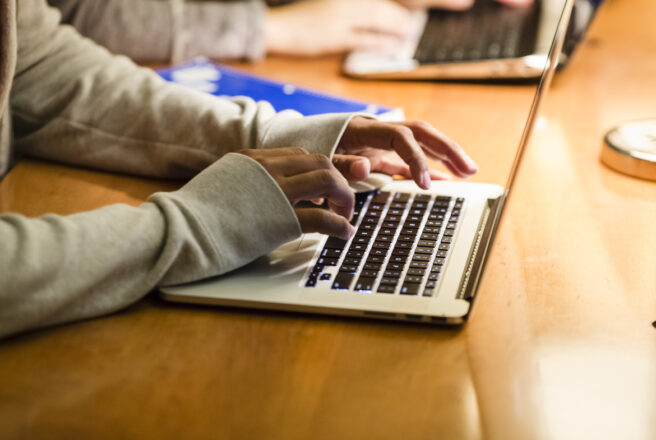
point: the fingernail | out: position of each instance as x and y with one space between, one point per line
472 165
425 180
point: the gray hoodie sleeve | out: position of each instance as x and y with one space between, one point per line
73 102
170 30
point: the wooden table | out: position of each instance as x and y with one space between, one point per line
560 345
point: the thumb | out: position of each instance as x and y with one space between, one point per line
354 168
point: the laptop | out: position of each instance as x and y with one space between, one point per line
490 41
417 255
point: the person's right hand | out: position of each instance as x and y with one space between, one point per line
304 176
317 27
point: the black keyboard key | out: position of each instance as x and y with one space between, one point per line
343 280
389 273
331 253
381 197
421 257
369 273
334 243
409 289
408 239
364 284
372 266
415 271
444 246
419 264
354 254
325 277
348 268
424 250
401 252
414 279
375 259
401 197
325 261
426 243
389 281
386 288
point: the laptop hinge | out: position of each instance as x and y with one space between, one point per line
480 248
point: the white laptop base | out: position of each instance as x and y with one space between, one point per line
277 281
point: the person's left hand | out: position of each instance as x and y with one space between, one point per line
398 148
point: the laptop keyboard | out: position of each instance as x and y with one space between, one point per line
400 246
488 30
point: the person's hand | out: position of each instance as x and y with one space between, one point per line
456 5
304 176
317 27
399 148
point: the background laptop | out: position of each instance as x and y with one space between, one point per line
488 41
417 255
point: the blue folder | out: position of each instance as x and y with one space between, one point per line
219 80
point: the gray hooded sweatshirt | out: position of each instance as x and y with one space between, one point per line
65 99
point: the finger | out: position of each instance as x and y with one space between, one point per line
326 183
393 165
457 5
439 145
353 168
404 143
516 2
386 17
390 163
324 222
439 175
372 41
292 164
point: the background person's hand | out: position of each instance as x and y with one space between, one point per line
304 176
400 148
317 27
456 5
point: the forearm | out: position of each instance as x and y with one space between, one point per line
57 269
161 30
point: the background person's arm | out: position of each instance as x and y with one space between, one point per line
170 30
74 102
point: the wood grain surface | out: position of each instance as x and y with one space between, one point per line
560 344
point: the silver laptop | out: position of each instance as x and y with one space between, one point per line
488 41
417 255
